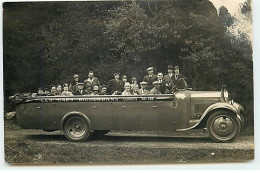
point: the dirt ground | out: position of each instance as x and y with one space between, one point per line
36 147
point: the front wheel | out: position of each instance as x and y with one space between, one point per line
223 126
76 128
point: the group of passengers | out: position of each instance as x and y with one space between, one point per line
151 84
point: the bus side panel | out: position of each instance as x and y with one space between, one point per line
143 115
36 116
97 112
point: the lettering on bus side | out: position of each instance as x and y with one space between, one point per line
102 99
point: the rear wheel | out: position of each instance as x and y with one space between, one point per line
76 128
223 126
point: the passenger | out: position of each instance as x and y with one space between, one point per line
168 79
123 81
40 92
46 91
66 91
143 90
114 85
179 80
103 90
127 92
59 89
73 84
93 81
80 90
135 90
53 91
162 83
156 88
88 90
134 84
150 78
95 91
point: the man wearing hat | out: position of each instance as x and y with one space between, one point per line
93 81
59 89
114 85
156 88
66 91
80 90
88 90
168 79
95 91
40 92
73 84
179 80
127 91
150 78
162 83
143 90
103 90
123 81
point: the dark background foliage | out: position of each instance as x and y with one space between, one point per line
46 43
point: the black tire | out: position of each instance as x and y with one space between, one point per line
76 128
242 122
223 126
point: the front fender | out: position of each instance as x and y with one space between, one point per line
77 113
215 106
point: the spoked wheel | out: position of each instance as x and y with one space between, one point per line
223 126
76 128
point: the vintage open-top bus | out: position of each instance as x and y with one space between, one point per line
80 116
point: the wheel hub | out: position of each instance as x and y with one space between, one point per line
76 127
223 126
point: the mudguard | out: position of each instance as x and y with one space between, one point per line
235 107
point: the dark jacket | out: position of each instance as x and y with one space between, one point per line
73 86
78 93
180 81
150 81
94 82
163 87
114 85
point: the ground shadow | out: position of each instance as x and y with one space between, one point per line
118 138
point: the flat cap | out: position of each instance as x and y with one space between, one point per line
143 83
170 66
95 88
149 68
176 67
103 86
76 75
116 73
156 83
80 83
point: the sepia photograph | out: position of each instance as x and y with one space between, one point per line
147 82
